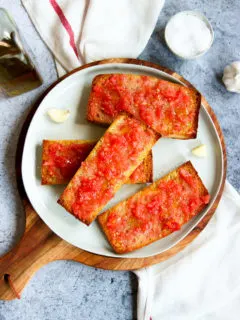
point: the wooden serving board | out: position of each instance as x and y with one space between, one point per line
39 245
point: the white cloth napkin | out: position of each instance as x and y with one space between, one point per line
81 31
203 281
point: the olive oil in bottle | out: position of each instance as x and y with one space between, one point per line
17 73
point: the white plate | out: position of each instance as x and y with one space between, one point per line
72 93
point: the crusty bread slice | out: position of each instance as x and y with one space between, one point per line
155 211
109 165
62 158
170 109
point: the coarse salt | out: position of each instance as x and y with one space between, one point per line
188 35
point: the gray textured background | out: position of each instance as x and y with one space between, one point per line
67 290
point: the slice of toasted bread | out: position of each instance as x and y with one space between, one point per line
170 109
109 165
62 158
155 211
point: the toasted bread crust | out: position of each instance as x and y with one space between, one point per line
70 195
123 208
51 173
97 115
148 170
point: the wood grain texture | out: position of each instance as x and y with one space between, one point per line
39 245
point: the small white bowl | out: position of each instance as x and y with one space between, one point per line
202 18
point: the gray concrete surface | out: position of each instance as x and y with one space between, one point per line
67 290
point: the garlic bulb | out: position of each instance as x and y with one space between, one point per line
231 77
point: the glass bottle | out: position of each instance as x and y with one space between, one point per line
17 72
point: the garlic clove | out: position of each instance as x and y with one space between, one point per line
58 115
200 151
231 77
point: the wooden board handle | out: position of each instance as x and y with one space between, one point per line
34 250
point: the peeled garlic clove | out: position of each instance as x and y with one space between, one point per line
231 77
200 151
58 115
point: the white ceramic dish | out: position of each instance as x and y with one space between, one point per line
72 93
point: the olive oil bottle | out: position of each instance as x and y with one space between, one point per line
17 73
